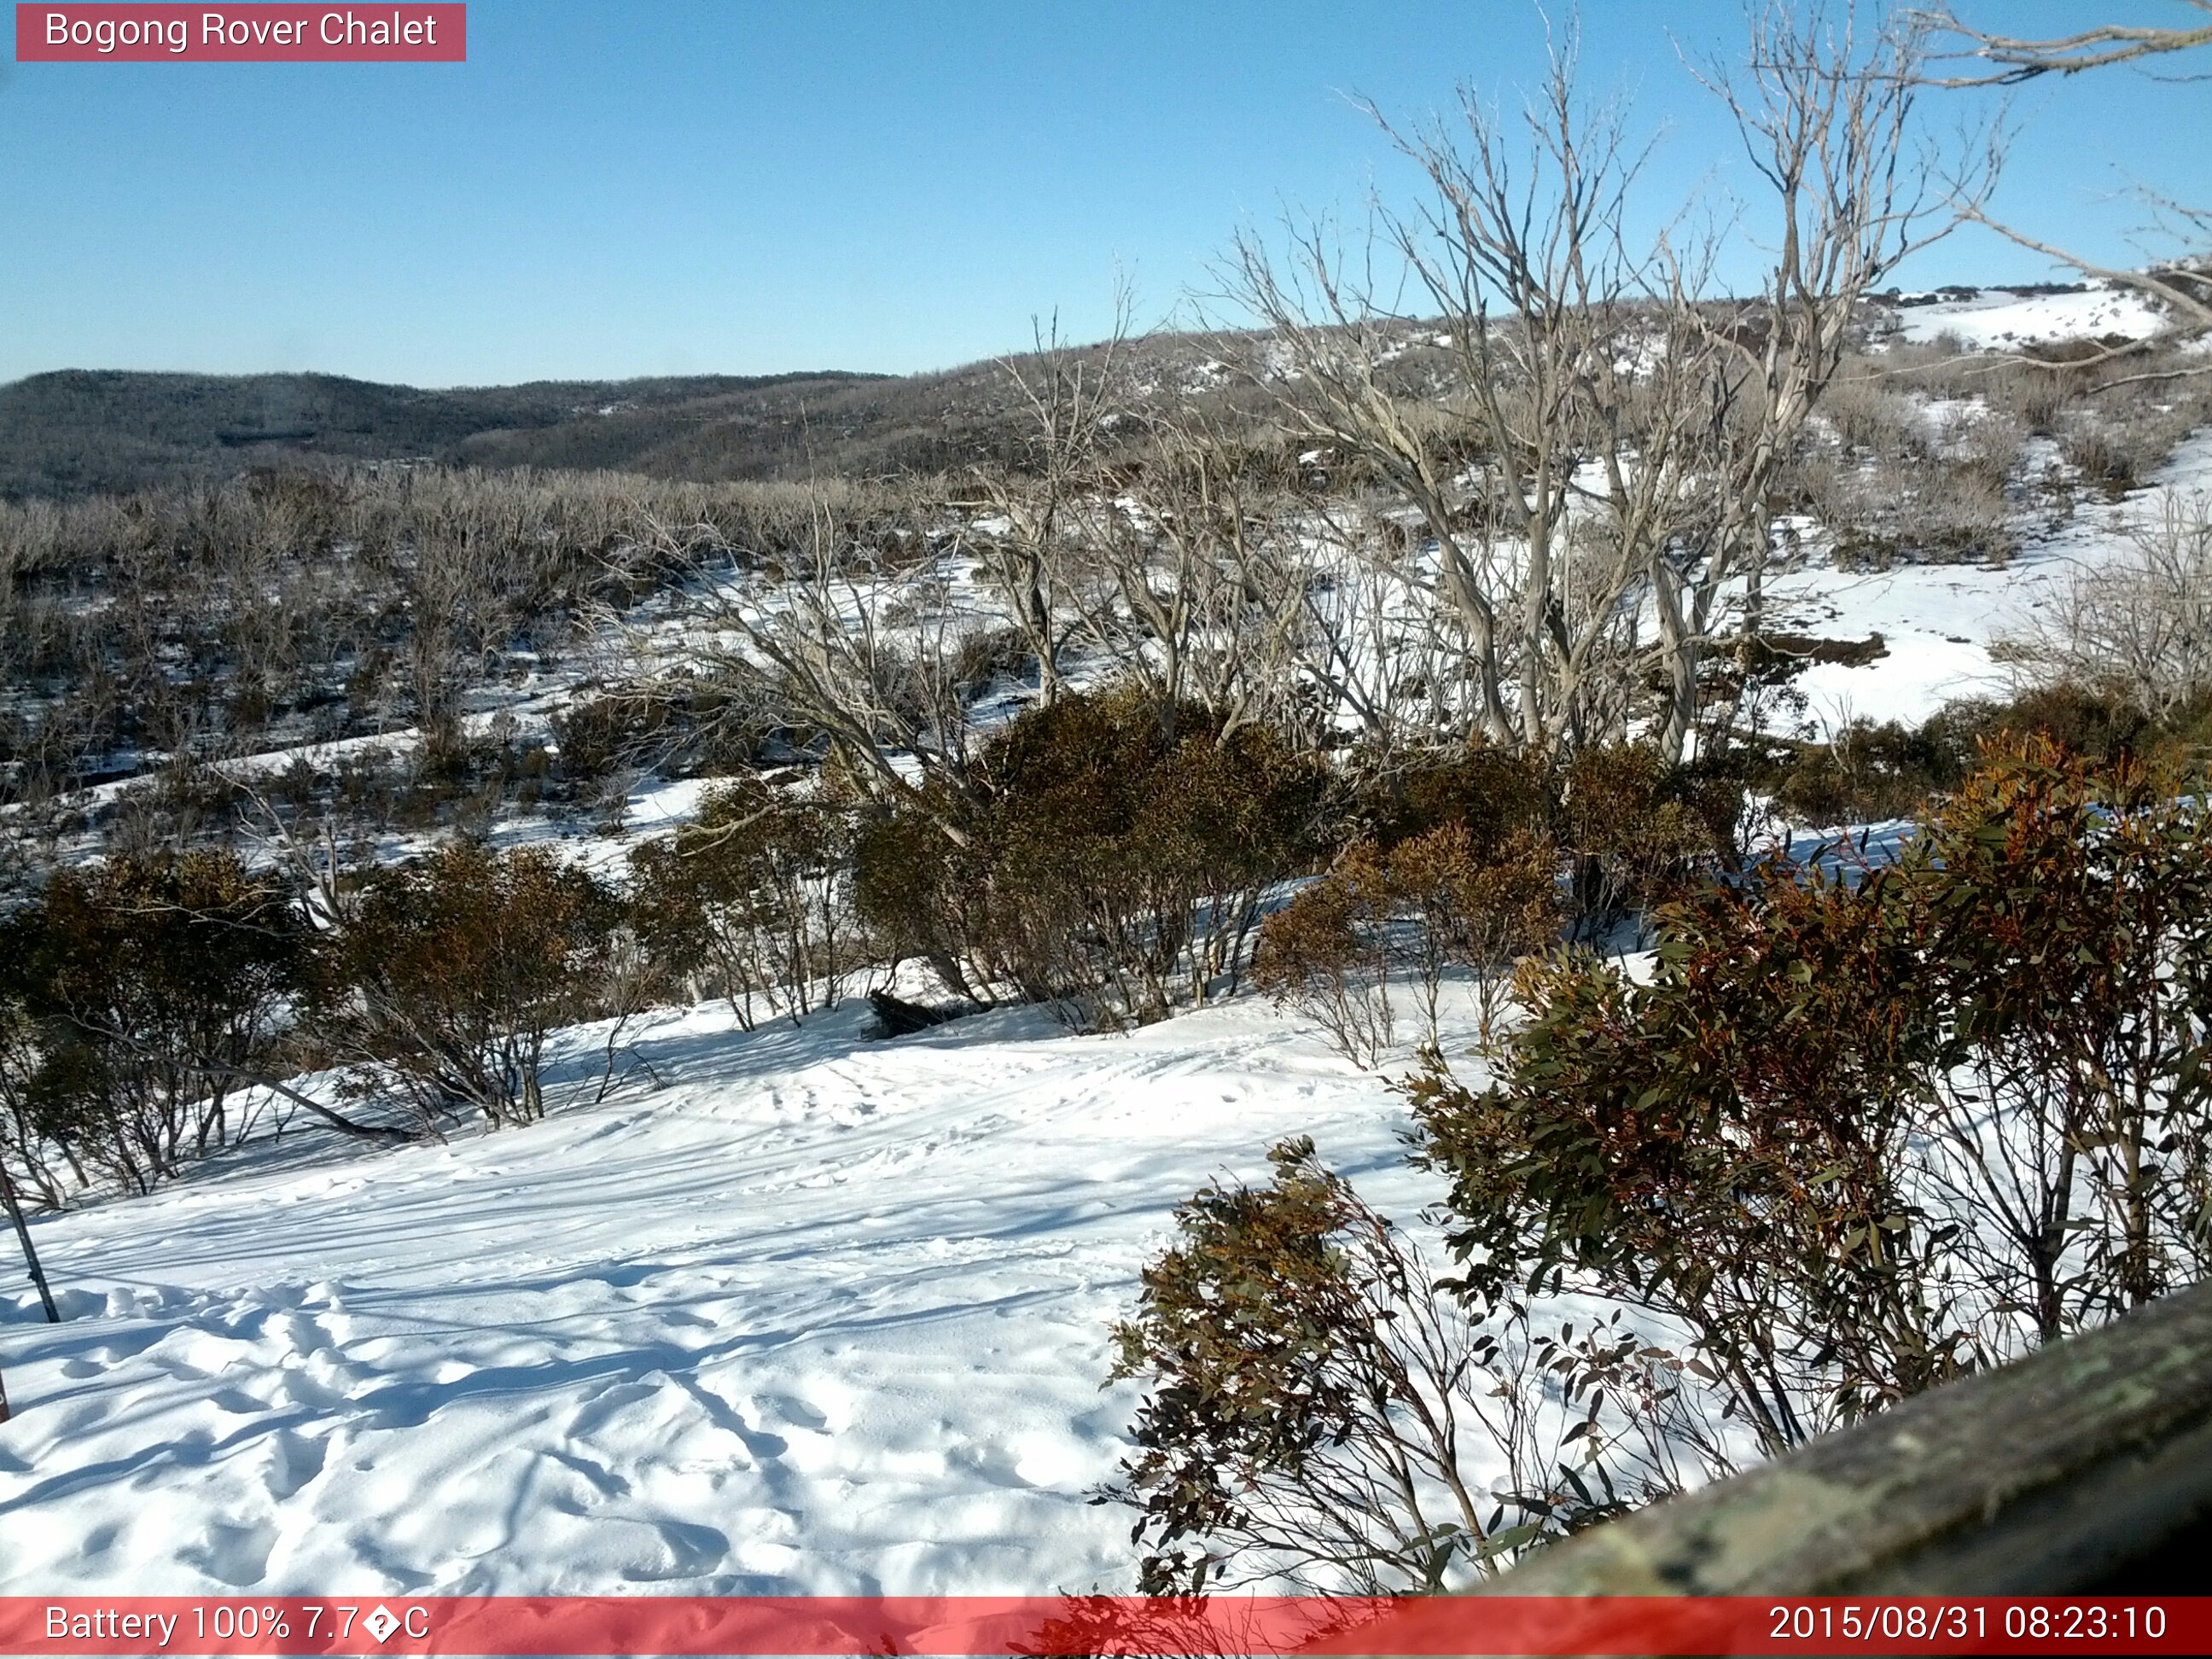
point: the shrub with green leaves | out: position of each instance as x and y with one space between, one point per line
750 899
1111 855
1320 1411
1640 829
1490 793
1864 1129
1431 903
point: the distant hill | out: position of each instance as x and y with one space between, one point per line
856 426
79 430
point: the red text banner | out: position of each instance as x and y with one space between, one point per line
1043 1625
288 33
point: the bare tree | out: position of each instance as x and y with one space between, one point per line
1382 653
1826 112
1038 514
2181 283
1189 570
1519 462
1602 429
846 631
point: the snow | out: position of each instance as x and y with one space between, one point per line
1999 316
809 1312
1939 621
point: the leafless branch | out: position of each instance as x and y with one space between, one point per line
2013 58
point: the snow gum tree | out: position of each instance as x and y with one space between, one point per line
1825 108
1562 360
1578 423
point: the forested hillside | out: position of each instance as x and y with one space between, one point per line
75 431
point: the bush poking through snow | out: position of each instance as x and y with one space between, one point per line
1492 792
1319 1405
1863 1132
1328 954
450 972
2140 624
1641 831
749 900
1111 856
139 995
1868 772
1428 905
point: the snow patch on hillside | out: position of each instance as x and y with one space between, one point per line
1998 318
1939 621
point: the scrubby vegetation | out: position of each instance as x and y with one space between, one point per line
157 635
139 998
444 978
751 902
1865 1129
1110 855
1429 904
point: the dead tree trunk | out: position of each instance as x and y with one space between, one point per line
30 1260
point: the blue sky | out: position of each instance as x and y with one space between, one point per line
617 187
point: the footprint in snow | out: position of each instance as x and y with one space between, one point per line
291 1461
604 1480
692 1551
244 1321
297 1386
993 1461
303 1334
606 1405
794 1412
237 1555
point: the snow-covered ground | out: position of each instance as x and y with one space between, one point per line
812 1313
1998 317
1939 621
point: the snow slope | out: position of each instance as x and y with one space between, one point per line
795 1311
814 1314
1998 318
